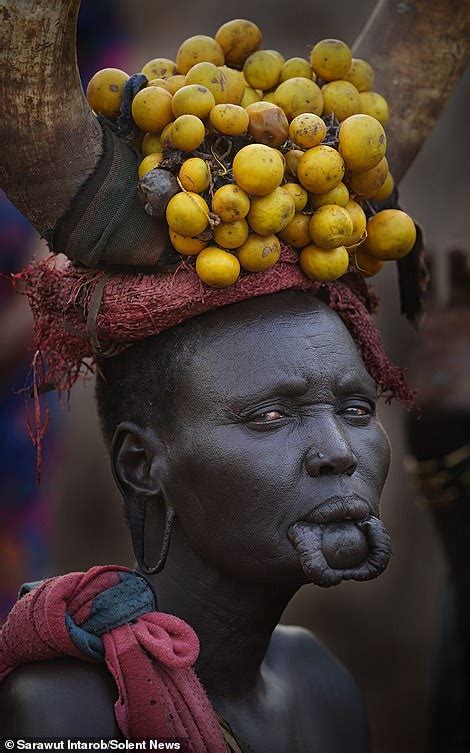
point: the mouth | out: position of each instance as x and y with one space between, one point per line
341 540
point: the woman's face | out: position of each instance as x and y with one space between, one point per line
275 416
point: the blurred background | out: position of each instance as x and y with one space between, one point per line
387 632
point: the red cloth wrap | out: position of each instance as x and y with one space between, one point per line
150 659
80 313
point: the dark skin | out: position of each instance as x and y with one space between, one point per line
275 384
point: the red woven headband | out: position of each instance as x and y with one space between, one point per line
81 313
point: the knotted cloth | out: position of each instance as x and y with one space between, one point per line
108 614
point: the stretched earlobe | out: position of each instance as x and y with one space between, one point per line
140 536
137 469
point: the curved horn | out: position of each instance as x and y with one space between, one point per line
50 139
419 50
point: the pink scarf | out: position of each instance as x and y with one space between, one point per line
108 614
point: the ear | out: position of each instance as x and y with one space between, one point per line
137 459
138 465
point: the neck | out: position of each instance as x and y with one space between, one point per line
233 619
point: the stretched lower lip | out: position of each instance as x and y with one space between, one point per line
340 540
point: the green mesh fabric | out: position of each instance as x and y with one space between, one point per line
106 224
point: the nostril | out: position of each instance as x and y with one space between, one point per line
326 470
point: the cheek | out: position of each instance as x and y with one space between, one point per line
233 488
373 454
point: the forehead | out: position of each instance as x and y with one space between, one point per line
293 339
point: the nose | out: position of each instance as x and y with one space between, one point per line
330 453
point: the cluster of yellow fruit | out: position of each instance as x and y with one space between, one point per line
262 149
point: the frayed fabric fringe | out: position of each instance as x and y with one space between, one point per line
82 315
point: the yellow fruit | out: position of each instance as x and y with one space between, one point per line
259 252
360 74
159 68
359 221
385 190
165 136
298 193
231 234
362 142
293 158
320 169
295 68
269 96
258 169
217 268
194 175
340 98
193 99
322 265
283 159
262 70
212 77
331 226
331 59
267 124
175 82
297 233
187 133
151 143
232 120
186 246
299 95
391 234
151 109
307 130
375 105
280 57
250 95
368 182
230 203
187 214
198 49
235 85
259 106
159 82
149 162
105 90
271 213
338 195
365 263
238 39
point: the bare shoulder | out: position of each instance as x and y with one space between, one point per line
59 698
333 697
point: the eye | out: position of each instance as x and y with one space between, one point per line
267 417
359 413
357 410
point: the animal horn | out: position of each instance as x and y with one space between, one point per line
419 50
51 140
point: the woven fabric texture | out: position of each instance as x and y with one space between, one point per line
83 314
149 653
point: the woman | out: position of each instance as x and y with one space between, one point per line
246 451
243 438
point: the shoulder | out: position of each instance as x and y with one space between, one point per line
334 697
59 698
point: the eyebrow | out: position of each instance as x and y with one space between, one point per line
297 386
356 383
291 387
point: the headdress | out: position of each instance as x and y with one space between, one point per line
255 175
